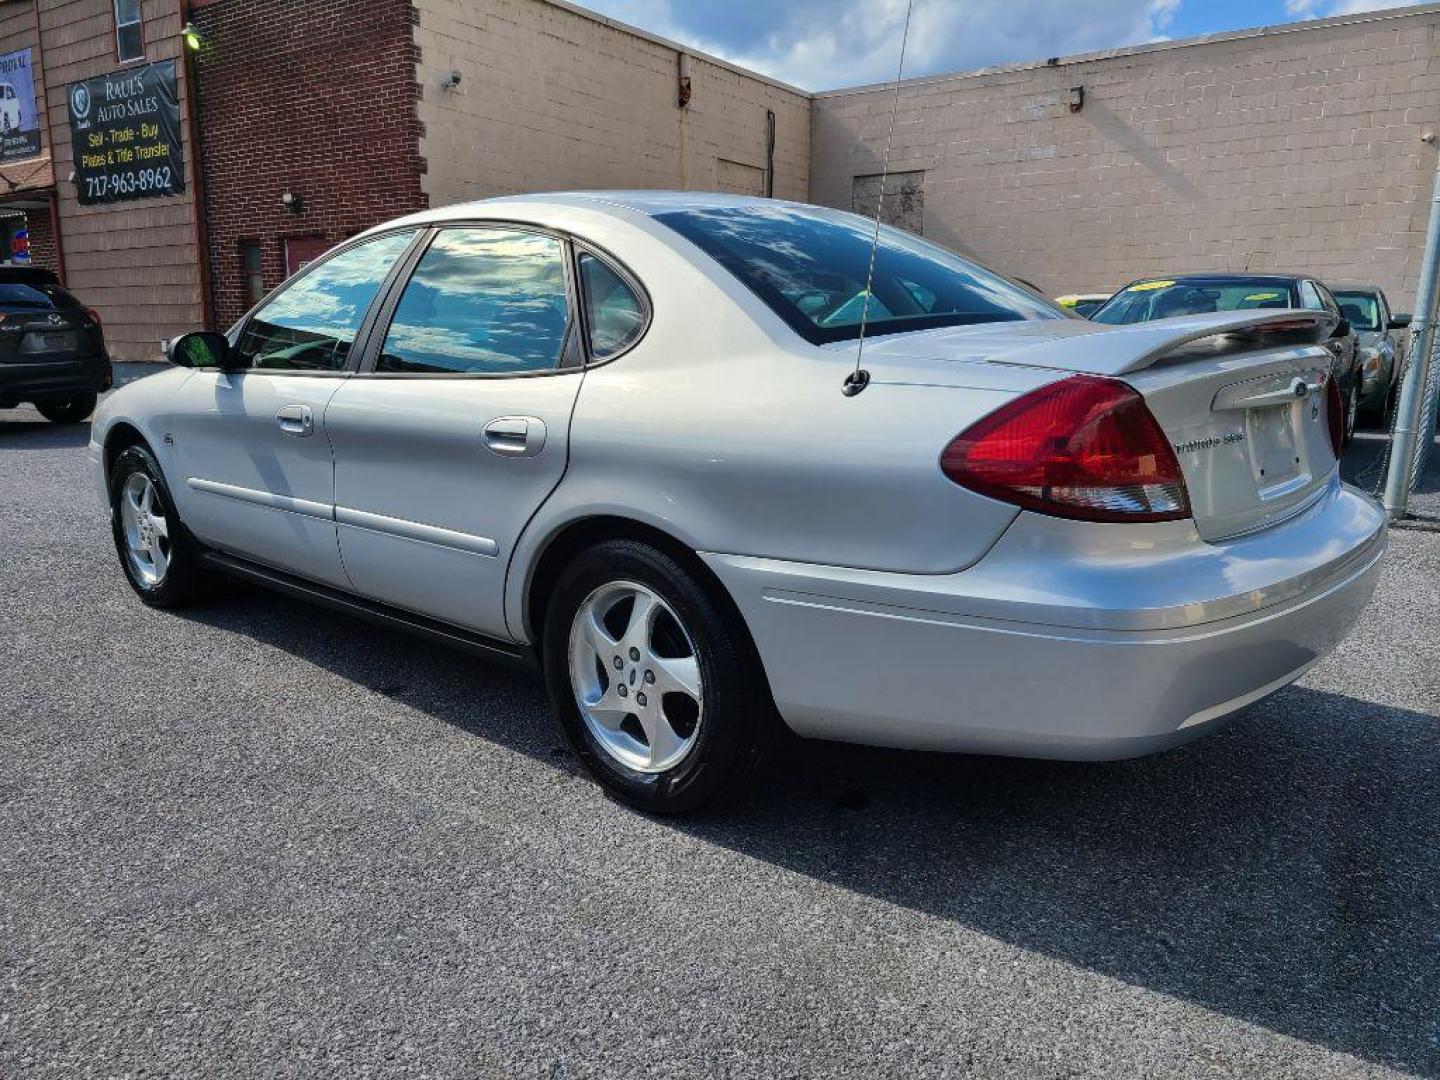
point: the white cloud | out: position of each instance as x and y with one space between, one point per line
821 44
1323 9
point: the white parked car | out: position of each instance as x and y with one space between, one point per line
606 432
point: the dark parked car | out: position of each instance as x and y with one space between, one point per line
52 350
1382 345
1166 296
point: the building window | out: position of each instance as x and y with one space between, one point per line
129 33
252 259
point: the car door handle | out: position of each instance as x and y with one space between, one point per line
296 420
515 436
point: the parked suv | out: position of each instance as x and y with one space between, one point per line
1168 296
1382 345
52 350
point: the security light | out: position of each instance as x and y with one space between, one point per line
192 37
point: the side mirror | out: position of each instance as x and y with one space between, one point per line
1399 321
1342 329
203 349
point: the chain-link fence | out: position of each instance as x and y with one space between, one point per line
1425 441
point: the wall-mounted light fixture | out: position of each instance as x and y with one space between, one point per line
451 81
1076 100
293 203
192 37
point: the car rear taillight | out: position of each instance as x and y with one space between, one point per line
1083 447
94 315
1335 415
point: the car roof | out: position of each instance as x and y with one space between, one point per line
1352 286
28 275
1238 275
613 203
642 201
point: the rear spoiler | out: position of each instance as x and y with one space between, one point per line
1120 350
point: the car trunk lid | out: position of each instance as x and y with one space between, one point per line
1240 396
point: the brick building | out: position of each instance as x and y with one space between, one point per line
289 126
301 124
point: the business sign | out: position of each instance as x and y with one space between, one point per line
19 118
125 130
20 247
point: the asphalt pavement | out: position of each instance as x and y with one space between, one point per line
260 839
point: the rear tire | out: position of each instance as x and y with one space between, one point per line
656 684
69 410
160 558
1352 413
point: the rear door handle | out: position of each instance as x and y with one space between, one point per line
515 436
297 420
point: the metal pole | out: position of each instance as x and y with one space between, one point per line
1409 419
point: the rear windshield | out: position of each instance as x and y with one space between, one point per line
809 267
1164 298
39 295
1360 309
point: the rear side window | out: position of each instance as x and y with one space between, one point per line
616 316
40 296
810 267
481 301
311 323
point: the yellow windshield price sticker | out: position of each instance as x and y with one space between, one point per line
1146 286
1257 297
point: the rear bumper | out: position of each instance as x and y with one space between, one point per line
34 381
1065 641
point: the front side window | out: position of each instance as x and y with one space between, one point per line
1166 298
1361 309
810 266
481 301
311 323
615 314
129 34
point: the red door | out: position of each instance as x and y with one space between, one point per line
300 250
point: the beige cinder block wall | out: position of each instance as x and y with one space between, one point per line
1288 148
551 97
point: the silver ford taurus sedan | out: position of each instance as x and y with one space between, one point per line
606 433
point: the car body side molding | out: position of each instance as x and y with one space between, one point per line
286 503
415 530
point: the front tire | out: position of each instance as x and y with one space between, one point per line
657 685
160 558
69 410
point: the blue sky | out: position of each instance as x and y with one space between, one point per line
822 44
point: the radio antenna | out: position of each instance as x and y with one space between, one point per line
858 379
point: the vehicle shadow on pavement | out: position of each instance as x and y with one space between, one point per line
40 434
1285 871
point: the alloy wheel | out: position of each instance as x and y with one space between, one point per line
636 677
147 534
